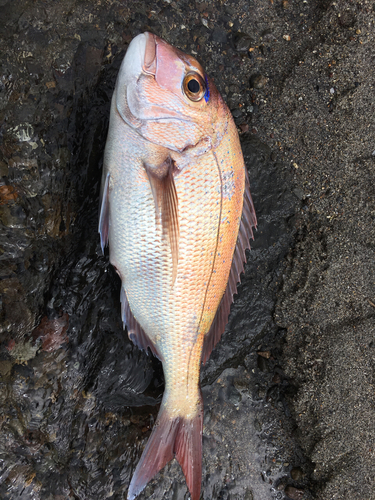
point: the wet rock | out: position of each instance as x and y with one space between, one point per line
347 18
264 354
299 193
52 332
258 81
242 42
219 35
257 425
5 368
234 396
255 108
35 69
267 35
294 493
8 194
296 473
23 351
3 169
87 62
248 495
12 217
17 318
237 113
262 364
230 10
244 127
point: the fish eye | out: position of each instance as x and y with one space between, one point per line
194 86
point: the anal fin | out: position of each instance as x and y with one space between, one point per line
135 332
166 206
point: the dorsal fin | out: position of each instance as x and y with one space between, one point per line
248 222
136 333
166 205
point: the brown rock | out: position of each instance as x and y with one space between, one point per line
294 493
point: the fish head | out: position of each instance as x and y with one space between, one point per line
165 95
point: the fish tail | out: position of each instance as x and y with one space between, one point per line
188 450
172 436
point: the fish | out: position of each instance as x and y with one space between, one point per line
177 213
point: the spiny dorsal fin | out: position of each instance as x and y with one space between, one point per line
166 205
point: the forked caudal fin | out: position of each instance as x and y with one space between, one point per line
180 437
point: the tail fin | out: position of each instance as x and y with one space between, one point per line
179 436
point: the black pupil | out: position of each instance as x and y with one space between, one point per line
193 86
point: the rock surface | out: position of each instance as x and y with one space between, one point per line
289 391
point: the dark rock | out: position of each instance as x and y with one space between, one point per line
258 81
236 113
242 42
231 11
234 396
267 35
347 19
34 68
262 364
294 493
257 425
296 473
255 108
219 35
264 354
299 193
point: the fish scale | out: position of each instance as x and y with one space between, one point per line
178 223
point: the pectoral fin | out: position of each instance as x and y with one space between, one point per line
166 206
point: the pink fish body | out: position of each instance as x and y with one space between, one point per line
177 212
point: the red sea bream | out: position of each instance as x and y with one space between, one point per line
177 213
